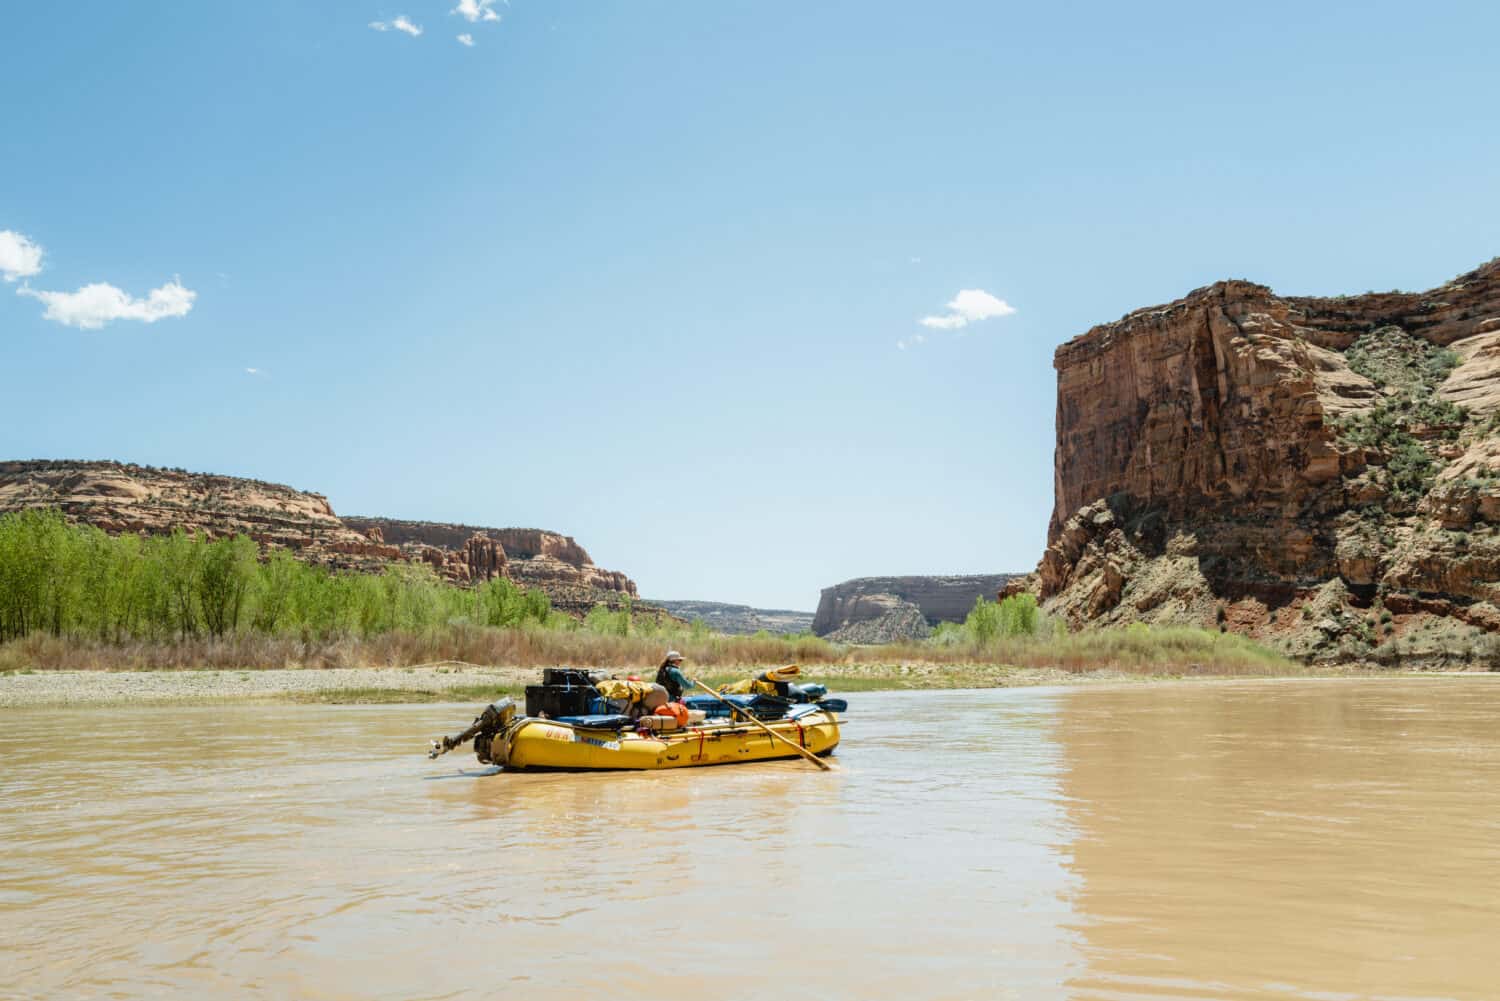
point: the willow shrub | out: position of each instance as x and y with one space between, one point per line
76 581
990 622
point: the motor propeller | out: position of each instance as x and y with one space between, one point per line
495 718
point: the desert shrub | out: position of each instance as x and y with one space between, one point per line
605 621
989 621
1410 370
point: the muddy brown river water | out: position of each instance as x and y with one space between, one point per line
1332 840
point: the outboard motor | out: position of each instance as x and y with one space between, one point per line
488 725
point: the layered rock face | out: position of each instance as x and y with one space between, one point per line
1229 457
479 559
535 558
936 599
740 620
881 618
120 497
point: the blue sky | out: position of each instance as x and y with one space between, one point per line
643 272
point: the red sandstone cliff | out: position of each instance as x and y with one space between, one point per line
1322 473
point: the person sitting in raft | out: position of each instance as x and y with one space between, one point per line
670 676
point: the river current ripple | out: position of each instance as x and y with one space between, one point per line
1332 840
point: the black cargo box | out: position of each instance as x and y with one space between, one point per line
558 700
565 676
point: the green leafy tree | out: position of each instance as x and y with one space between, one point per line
277 580
990 621
180 558
983 622
1018 615
226 574
78 581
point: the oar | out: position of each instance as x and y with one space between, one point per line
810 756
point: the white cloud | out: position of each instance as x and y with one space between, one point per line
400 23
19 257
912 341
253 371
970 306
475 11
94 305
466 39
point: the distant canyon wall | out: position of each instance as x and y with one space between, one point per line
741 620
891 599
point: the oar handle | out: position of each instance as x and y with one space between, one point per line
810 756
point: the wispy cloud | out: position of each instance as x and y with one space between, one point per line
466 39
970 306
475 11
20 257
254 371
912 341
399 23
96 304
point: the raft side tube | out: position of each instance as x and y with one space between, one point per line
541 744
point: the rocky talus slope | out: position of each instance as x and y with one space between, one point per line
121 497
739 620
1319 473
891 601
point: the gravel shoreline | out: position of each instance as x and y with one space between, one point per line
77 688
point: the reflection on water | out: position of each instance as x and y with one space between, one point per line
315 852
1325 840
1322 839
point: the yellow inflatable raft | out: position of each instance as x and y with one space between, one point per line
548 744
518 743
